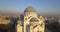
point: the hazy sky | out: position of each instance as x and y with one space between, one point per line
49 7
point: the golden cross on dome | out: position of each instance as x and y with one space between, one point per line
30 4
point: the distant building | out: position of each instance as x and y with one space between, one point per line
31 22
59 21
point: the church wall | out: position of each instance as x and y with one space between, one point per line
19 28
28 26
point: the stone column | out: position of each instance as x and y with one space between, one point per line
24 27
31 29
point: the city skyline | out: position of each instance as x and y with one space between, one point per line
49 7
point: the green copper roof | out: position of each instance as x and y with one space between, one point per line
30 9
34 19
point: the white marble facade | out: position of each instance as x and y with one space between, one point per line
32 22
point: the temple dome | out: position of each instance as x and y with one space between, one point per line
30 9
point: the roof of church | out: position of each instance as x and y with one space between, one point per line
30 9
34 19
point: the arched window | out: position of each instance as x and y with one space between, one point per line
25 18
38 31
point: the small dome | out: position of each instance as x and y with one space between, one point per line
30 9
34 19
